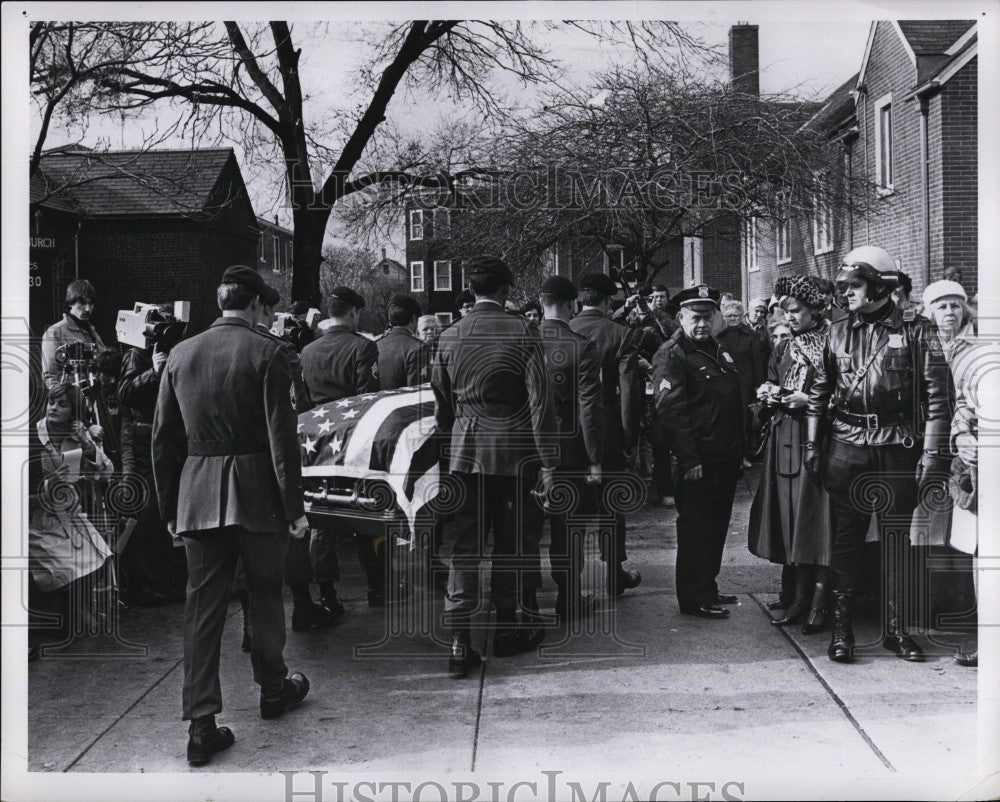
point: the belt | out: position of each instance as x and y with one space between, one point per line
224 448
870 421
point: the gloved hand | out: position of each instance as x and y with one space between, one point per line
928 467
812 458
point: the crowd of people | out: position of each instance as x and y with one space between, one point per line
833 386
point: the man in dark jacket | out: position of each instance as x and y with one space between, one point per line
883 371
622 387
698 408
229 479
403 359
489 388
574 375
743 345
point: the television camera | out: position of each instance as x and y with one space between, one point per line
147 325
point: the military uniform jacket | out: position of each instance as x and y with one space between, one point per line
225 446
573 370
340 364
621 378
893 366
403 360
489 389
698 403
299 394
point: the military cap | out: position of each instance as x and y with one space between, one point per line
407 302
598 282
348 296
561 287
699 295
253 281
489 266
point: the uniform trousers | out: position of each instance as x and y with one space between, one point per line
704 508
862 480
312 559
505 506
211 557
568 525
612 545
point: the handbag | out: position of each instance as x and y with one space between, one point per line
963 485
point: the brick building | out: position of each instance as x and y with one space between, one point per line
274 257
906 124
152 226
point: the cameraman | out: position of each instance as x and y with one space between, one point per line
75 326
153 571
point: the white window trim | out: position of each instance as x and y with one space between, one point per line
750 232
445 318
439 286
821 203
465 278
417 286
416 224
784 221
607 258
881 103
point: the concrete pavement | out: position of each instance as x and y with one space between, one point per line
646 695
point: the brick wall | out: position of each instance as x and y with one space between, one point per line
959 208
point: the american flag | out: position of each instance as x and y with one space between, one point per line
385 435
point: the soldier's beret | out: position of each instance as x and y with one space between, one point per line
407 302
699 295
252 280
348 296
561 287
598 282
489 266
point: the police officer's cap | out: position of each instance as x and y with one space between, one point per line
699 296
348 296
479 266
407 302
598 282
560 287
253 281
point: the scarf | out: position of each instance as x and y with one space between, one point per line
806 351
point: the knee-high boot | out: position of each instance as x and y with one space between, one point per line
842 641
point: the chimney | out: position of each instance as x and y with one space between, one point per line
383 253
744 60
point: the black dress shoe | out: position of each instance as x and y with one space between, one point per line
315 616
816 622
626 581
778 604
205 739
725 598
793 615
507 643
293 690
463 659
902 645
706 611
967 659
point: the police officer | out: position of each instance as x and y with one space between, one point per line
338 364
489 388
574 377
882 372
698 408
622 386
403 359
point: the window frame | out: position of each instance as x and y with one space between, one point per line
750 243
783 229
413 285
441 315
881 140
822 209
438 285
416 224
620 249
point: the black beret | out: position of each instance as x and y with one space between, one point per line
253 281
561 287
599 282
348 296
489 266
700 294
407 302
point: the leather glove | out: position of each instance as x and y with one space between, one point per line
928 468
812 456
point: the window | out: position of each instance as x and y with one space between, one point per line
416 224
416 276
442 222
883 143
750 245
465 279
275 253
442 276
288 254
614 258
783 230
444 318
822 223
260 247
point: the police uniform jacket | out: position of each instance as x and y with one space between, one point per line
67 330
573 370
340 364
621 379
489 389
225 446
890 369
698 403
403 360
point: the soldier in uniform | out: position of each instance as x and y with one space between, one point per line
224 429
622 396
882 371
489 390
338 364
574 374
403 359
699 411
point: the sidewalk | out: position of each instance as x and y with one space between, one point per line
647 694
